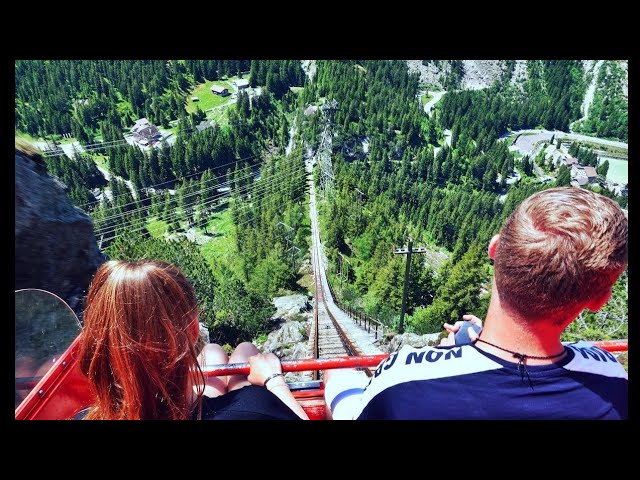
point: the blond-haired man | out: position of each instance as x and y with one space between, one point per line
558 253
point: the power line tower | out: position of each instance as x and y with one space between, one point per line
324 151
407 251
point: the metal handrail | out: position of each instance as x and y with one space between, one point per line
362 361
363 319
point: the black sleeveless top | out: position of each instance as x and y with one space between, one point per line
251 402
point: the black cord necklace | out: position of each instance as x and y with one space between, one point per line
522 359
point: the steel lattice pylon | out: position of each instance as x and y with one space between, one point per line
324 152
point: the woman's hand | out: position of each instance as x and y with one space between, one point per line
262 366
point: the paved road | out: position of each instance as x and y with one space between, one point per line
447 141
526 143
107 175
436 96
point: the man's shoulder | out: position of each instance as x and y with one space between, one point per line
426 363
587 358
453 364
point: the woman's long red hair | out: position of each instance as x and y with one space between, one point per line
138 345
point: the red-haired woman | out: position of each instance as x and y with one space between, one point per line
139 352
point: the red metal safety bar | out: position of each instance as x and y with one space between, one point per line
364 361
612 345
301 365
64 390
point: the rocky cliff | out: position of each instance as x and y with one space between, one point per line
474 74
55 249
479 74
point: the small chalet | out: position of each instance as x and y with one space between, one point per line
203 125
195 99
579 182
218 90
583 175
592 175
569 161
242 84
144 132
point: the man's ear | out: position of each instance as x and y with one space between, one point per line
596 303
493 245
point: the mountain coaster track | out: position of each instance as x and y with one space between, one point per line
329 338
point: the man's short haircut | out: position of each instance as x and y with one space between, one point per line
560 248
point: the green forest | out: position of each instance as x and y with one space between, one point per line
608 116
448 201
398 173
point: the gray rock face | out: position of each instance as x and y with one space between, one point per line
55 249
290 340
289 306
283 341
478 74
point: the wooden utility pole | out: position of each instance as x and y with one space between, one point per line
407 251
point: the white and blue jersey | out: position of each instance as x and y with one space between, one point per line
466 383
